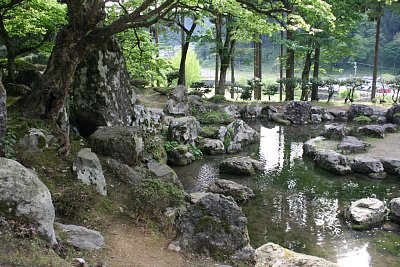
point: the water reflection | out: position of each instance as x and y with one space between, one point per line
297 205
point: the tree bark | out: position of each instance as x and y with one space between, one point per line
233 74
289 68
314 89
305 76
186 36
376 57
257 69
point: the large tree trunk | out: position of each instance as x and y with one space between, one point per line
305 76
257 69
11 70
289 70
182 65
233 74
376 57
314 89
222 78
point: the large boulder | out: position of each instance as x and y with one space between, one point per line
340 115
232 110
239 192
332 161
178 104
394 206
237 135
240 166
3 110
391 166
335 131
164 173
311 146
184 130
215 226
101 93
273 255
352 145
88 168
393 114
124 143
24 197
80 237
29 77
124 172
298 112
149 120
323 113
372 131
212 146
181 156
268 111
366 165
365 213
250 111
356 110
389 127
35 141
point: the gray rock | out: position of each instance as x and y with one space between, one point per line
365 213
298 112
244 257
164 173
316 118
124 143
389 127
338 114
3 110
240 193
279 119
250 111
273 255
215 226
149 120
24 196
335 131
394 206
88 168
352 145
332 161
366 165
391 166
232 110
391 114
324 115
356 110
101 93
240 135
381 120
35 141
240 166
371 130
81 237
196 196
184 130
180 156
310 146
377 175
212 146
267 111
124 172
178 104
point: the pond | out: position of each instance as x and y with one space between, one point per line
299 206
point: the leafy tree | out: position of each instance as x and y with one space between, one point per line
26 25
192 73
270 90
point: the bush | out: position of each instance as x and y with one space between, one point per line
7 144
362 119
170 145
217 99
214 117
209 131
151 198
196 152
343 94
75 201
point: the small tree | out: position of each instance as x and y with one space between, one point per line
249 89
289 84
330 83
385 81
270 89
396 89
352 84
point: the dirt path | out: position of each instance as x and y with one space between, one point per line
132 246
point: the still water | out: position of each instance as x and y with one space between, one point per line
300 207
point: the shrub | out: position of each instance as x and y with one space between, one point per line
170 145
362 119
151 198
343 94
7 143
214 117
196 152
75 201
209 131
218 99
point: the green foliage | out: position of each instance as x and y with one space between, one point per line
214 117
171 76
270 89
362 119
7 144
247 93
75 201
20 65
396 115
170 145
344 93
196 152
217 99
192 65
151 198
209 131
